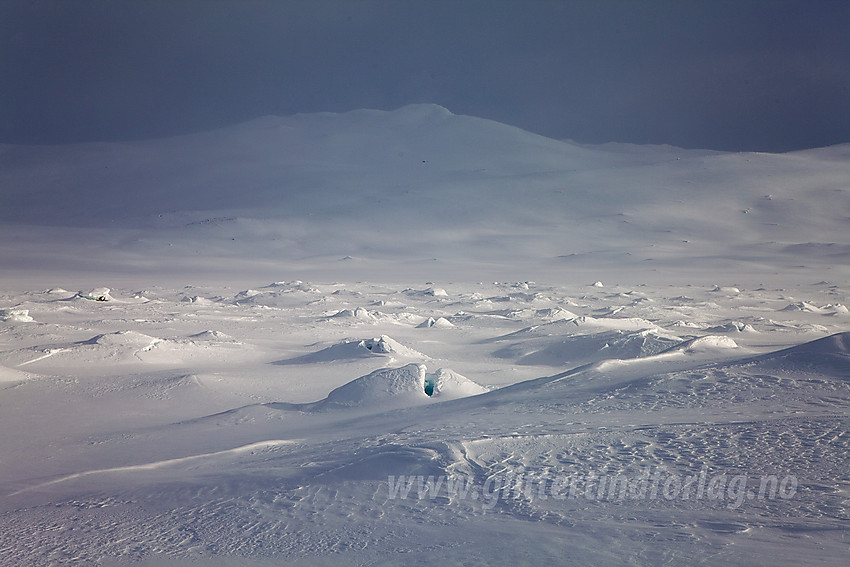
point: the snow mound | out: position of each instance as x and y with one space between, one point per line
802 306
405 386
707 344
687 324
104 351
829 355
447 384
388 345
429 292
97 294
555 314
360 313
728 290
806 307
837 344
354 348
583 325
125 339
733 327
197 299
280 295
246 294
57 291
622 324
586 348
16 316
209 335
440 323
293 286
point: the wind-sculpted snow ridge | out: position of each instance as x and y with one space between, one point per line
829 355
807 362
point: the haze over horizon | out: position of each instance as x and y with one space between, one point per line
752 75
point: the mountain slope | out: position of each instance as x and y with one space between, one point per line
420 183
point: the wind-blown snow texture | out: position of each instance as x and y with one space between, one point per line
474 303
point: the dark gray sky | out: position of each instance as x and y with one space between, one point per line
766 75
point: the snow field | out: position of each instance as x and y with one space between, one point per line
452 301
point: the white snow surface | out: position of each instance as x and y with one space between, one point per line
163 404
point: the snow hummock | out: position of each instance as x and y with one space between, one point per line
447 384
388 345
732 327
439 322
708 343
212 335
97 294
829 309
359 313
382 346
407 385
403 386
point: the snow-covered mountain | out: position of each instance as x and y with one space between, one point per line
421 183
